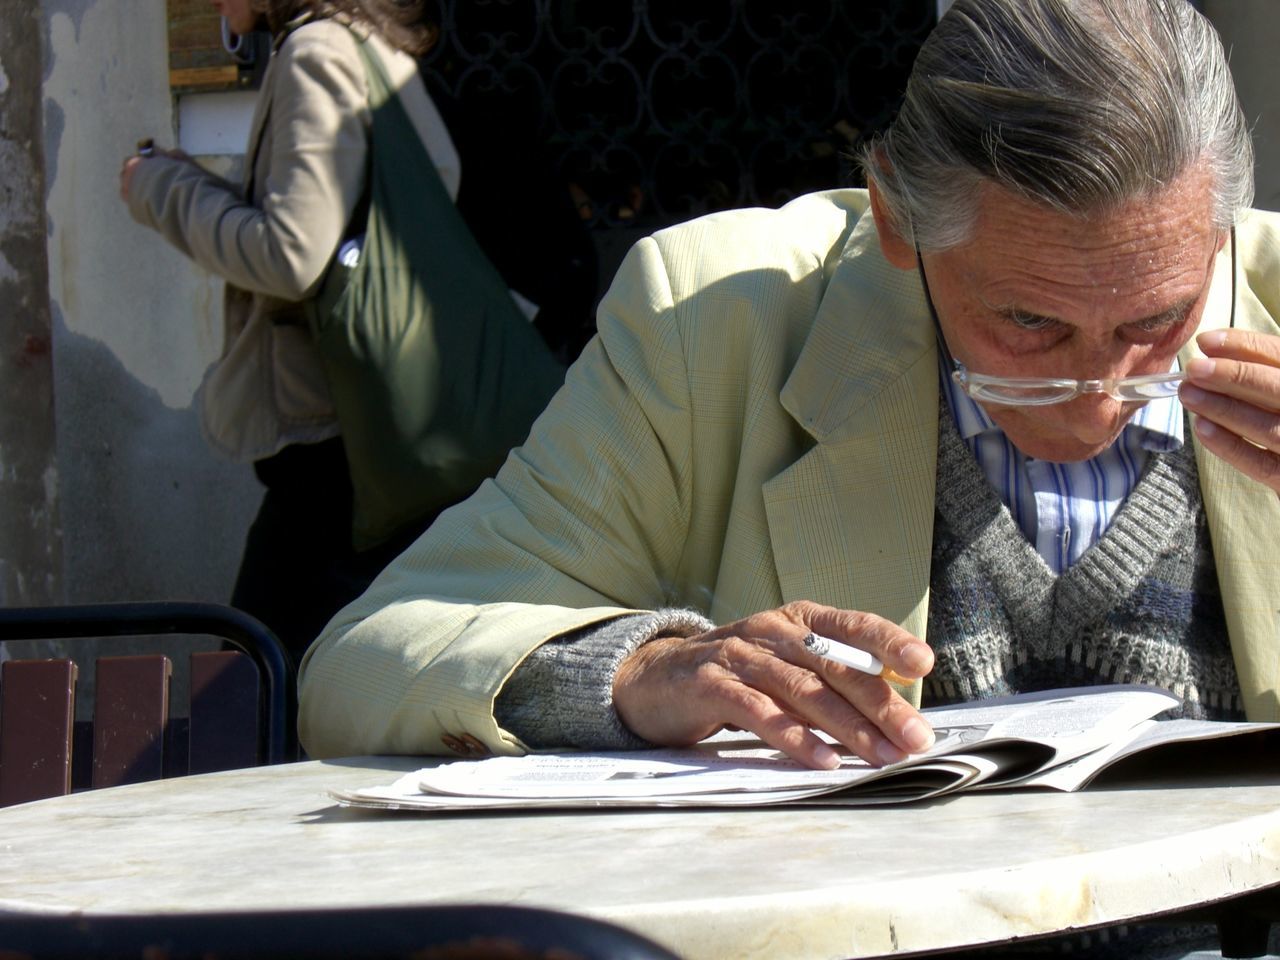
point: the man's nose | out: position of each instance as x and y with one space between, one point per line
1095 417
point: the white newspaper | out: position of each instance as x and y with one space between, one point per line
1057 739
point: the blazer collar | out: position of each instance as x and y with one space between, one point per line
257 127
851 521
1243 517
871 327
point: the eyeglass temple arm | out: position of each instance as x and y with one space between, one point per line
933 314
1231 325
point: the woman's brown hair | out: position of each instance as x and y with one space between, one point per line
402 23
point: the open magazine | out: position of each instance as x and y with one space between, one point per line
1057 739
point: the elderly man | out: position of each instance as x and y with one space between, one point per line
1008 420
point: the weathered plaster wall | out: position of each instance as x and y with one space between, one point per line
30 554
147 512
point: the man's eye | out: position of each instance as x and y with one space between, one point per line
1157 324
1028 321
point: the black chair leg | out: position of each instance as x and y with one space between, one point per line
1243 935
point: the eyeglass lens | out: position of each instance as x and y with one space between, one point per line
1034 392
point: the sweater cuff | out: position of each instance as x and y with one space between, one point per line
561 695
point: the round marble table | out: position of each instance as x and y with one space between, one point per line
776 883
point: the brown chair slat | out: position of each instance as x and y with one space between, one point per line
131 709
37 713
275 713
81 756
224 712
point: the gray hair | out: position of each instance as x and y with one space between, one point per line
1081 105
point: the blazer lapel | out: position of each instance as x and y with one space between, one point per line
1244 517
851 521
262 106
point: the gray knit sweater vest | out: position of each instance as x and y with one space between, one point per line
1141 606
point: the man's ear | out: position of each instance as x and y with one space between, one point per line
896 248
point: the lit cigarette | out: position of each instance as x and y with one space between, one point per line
837 652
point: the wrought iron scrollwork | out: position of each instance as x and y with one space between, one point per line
659 110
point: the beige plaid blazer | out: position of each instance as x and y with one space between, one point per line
756 423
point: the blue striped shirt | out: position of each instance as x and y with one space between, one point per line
1065 508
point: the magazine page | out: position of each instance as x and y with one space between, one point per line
994 742
634 774
1147 737
917 782
1037 731
1027 732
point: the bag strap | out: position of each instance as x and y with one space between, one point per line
379 82
403 178
379 92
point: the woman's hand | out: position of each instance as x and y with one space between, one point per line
756 675
1234 390
126 174
131 164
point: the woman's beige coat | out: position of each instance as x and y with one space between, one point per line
272 237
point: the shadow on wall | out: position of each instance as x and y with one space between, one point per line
148 511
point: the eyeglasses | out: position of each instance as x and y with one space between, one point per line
1043 391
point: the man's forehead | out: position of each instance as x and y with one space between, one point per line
1148 240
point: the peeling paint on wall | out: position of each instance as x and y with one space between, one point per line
146 509
55 123
18 205
74 11
30 537
111 279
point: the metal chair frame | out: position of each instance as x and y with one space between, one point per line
278 702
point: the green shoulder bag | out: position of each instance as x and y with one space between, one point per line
434 371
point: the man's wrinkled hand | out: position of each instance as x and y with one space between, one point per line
756 675
1234 390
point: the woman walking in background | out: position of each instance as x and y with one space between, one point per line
266 401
